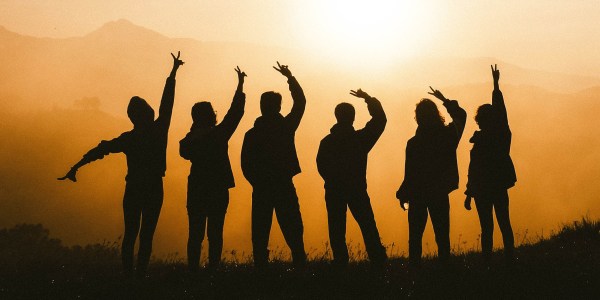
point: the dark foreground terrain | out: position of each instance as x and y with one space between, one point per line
565 265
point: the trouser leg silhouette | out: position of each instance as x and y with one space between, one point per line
502 215
497 201
360 206
485 206
142 202
284 201
197 226
262 218
417 219
336 220
206 206
439 211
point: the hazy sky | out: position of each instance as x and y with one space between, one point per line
550 35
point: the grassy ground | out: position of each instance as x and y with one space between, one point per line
565 265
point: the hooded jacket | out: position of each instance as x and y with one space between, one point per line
145 148
491 167
342 156
431 167
269 149
207 148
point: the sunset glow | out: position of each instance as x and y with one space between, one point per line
359 31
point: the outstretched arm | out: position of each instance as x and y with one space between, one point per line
103 149
295 116
168 97
376 125
236 111
498 99
458 115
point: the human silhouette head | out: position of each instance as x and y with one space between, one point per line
203 114
270 103
485 116
140 112
427 114
344 113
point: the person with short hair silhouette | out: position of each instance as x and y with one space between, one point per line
342 162
206 146
145 148
431 173
491 171
269 162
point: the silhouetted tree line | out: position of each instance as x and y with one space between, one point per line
269 162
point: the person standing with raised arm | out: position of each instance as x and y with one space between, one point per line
342 162
145 148
491 172
206 146
269 162
431 173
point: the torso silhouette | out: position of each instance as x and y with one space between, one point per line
207 149
491 167
431 165
269 150
342 156
146 147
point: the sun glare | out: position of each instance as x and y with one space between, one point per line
375 31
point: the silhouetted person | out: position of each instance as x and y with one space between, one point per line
491 171
269 162
342 162
206 146
431 173
145 148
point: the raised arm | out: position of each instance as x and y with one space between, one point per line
103 149
498 99
458 115
376 125
168 97
295 116
236 111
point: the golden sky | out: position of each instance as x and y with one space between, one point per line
554 35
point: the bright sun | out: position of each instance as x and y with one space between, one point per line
358 31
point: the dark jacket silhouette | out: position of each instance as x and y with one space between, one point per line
269 162
491 168
431 165
269 149
342 162
431 172
145 148
342 156
207 148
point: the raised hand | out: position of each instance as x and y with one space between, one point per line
284 70
360 94
176 61
495 72
496 76
437 94
70 175
240 74
468 202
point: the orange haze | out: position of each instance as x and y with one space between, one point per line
60 96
